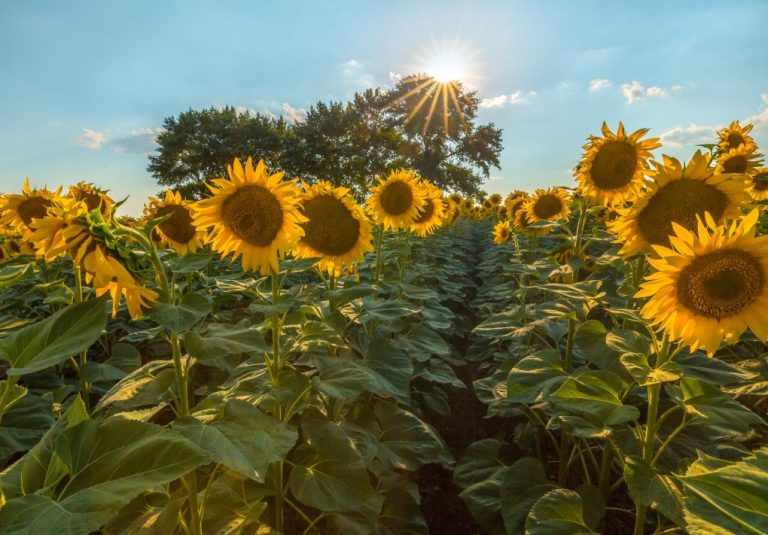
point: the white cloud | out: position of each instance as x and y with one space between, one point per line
516 97
761 119
294 115
91 139
142 141
354 72
598 83
688 136
637 91
395 77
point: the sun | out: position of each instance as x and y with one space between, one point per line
447 67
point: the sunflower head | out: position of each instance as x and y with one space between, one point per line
741 160
501 232
495 199
20 211
178 231
92 197
432 213
710 285
678 195
523 222
613 166
395 201
336 229
757 184
502 212
548 205
733 136
252 214
456 198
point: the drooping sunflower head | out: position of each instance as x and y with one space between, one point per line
109 275
514 204
252 214
733 136
613 166
548 205
91 196
19 211
336 228
678 195
757 184
501 232
502 212
178 231
710 285
396 200
740 160
432 213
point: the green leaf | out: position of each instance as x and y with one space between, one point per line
483 499
386 309
533 378
24 424
715 371
190 263
480 461
406 442
52 341
145 386
14 393
653 489
524 482
723 498
594 396
422 342
10 275
224 339
329 475
179 318
721 412
638 367
245 440
108 464
558 512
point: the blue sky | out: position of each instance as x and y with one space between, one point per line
84 85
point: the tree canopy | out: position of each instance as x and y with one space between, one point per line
420 124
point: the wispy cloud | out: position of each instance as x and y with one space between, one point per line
91 139
294 115
598 83
761 119
355 73
142 141
687 136
636 91
516 97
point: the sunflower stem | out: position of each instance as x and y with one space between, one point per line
379 259
85 386
562 474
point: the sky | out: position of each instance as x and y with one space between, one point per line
85 85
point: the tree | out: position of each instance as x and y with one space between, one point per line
198 145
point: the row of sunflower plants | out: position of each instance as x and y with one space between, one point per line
153 386
623 340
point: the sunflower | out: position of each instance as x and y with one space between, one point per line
502 212
741 160
467 206
432 213
495 199
178 231
336 228
733 136
613 166
514 204
456 198
108 275
757 185
523 222
710 285
501 232
396 201
92 196
678 194
19 211
548 205
253 214
452 214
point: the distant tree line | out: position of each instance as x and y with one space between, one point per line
418 124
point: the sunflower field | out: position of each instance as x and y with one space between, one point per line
282 357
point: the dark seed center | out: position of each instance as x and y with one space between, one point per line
734 140
179 226
679 201
33 208
427 211
614 165
253 214
547 206
721 283
396 198
735 164
332 229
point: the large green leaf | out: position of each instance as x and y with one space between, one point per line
406 442
719 410
245 439
653 489
480 461
523 484
723 498
535 377
594 396
183 316
145 386
329 475
637 366
55 339
224 339
108 463
558 512
24 424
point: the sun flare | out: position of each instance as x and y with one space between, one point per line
447 67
